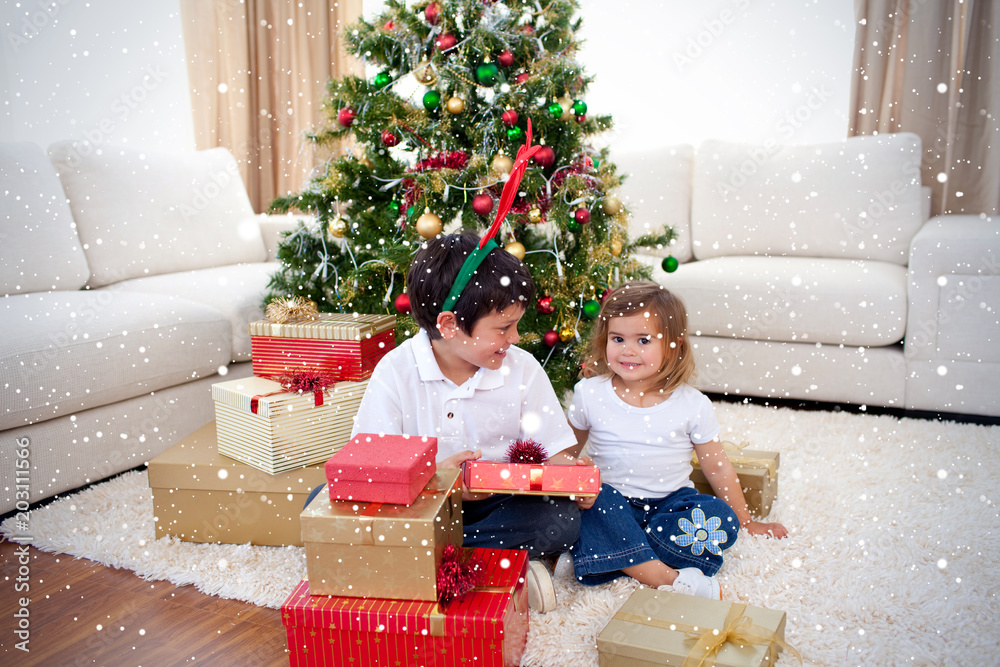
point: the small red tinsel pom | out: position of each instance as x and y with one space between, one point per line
307 382
526 451
457 574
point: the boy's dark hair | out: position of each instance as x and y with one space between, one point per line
500 281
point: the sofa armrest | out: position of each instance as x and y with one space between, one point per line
271 226
954 290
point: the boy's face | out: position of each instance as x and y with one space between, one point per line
491 336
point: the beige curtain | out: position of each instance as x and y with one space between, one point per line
258 72
933 67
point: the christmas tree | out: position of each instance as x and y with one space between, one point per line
433 135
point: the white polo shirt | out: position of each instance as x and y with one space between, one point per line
642 452
408 394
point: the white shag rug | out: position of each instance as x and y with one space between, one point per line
892 557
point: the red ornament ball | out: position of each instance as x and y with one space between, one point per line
482 204
522 77
505 58
433 13
345 116
545 157
545 306
551 337
581 215
402 303
445 41
509 117
389 139
389 25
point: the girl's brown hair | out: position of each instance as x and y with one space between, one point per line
668 309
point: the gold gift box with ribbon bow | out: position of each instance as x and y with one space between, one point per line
664 628
379 550
758 473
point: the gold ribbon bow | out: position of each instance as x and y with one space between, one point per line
283 310
737 629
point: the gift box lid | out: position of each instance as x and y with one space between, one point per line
369 461
268 399
475 613
195 463
327 326
654 625
384 524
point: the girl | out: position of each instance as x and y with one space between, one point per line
642 420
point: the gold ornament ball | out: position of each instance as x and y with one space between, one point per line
616 247
501 164
337 228
612 205
567 104
517 249
455 105
429 225
566 334
535 215
424 73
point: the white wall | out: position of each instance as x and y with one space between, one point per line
741 70
108 71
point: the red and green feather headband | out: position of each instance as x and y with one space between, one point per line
487 244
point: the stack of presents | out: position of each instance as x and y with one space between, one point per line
388 581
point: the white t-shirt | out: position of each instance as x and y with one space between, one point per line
642 452
408 394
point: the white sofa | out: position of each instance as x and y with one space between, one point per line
128 279
812 272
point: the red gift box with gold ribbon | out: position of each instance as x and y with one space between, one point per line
344 345
540 479
487 627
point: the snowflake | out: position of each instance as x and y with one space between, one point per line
702 533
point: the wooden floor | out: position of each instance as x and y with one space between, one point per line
83 613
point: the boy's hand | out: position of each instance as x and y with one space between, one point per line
766 529
456 461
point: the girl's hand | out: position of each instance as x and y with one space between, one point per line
766 529
587 502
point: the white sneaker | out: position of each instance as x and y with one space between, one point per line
541 592
690 581
564 566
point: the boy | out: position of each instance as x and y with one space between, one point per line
461 380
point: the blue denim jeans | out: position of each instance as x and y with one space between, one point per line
684 529
541 525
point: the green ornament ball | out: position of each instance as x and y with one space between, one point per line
515 133
591 309
487 74
574 226
411 212
381 80
669 264
579 108
432 100
555 110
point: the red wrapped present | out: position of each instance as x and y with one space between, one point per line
487 627
539 479
380 550
344 345
382 468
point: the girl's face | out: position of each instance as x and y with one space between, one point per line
636 350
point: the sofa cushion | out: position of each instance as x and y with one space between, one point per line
63 352
237 291
855 199
657 192
142 213
792 299
39 248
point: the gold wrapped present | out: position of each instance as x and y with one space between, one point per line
378 550
665 628
758 473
